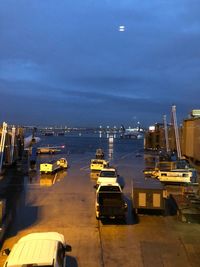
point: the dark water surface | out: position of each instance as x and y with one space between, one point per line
89 143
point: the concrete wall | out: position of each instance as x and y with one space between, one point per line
191 138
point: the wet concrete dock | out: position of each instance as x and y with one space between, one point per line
67 205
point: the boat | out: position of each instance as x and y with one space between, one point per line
49 149
99 153
48 133
60 133
186 176
132 133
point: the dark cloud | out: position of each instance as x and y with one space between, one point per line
68 57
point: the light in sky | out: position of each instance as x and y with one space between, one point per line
65 59
121 28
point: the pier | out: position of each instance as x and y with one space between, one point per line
11 145
65 203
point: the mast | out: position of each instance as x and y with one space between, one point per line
178 147
12 144
166 133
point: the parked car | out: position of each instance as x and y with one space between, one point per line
38 249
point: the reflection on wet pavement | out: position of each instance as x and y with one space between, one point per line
94 174
51 179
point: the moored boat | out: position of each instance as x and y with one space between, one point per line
186 176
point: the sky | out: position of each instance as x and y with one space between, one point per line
66 62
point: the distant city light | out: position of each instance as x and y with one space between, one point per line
121 28
152 128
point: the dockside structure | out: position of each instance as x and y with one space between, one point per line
154 138
191 139
189 134
12 147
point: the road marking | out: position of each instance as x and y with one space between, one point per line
127 155
84 168
54 179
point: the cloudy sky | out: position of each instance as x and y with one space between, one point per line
66 62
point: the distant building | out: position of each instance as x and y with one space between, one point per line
189 135
155 137
191 138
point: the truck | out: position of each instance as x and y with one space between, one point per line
53 166
110 202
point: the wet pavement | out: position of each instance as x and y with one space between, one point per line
66 203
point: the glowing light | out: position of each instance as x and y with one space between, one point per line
152 128
121 28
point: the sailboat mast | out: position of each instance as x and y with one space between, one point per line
178 147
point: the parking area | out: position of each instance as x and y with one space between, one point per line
66 204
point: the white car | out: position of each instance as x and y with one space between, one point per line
38 249
108 175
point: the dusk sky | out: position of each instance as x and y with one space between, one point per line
66 62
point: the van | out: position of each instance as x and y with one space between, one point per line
38 249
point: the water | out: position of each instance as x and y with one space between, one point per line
88 143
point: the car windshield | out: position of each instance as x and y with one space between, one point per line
97 161
107 174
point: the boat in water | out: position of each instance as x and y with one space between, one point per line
99 154
132 133
185 176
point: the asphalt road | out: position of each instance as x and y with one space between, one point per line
66 204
